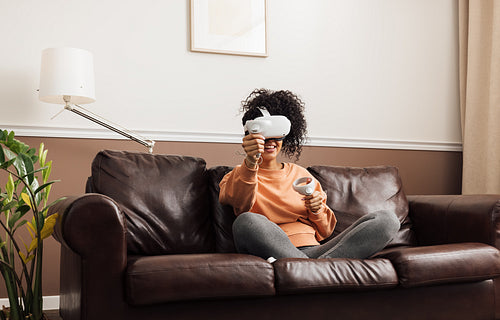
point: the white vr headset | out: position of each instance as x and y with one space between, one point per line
269 126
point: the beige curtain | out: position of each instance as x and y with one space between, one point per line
479 32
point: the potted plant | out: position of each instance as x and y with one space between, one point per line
23 205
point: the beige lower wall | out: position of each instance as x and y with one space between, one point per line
423 172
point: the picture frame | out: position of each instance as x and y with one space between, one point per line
229 27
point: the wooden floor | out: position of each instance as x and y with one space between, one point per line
53 314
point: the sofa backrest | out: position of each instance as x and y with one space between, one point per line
164 199
223 215
171 202
352 193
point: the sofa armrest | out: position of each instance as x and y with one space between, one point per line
90 223
443 219
91 230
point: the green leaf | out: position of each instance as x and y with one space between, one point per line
9 154
17 182
13 219
20 167
47 193
41 148
7 164
23 209
38 197
10 188
17 146
46 172
32 153
43 186
43 155
2 155
9 205
53 203
20 212
28 167
39 170
10 137
22 223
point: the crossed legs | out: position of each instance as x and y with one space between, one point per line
255 234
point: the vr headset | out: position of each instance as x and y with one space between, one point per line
269 126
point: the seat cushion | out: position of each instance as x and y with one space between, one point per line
164 199
327 275
159 279
450 263
353 192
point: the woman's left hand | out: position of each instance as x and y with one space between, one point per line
314 202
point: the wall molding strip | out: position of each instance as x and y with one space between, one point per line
49 302
211 137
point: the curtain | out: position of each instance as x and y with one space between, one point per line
479 50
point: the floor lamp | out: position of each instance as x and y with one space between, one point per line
67 77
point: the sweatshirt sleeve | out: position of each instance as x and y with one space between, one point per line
324 220
238 188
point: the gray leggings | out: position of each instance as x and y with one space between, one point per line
255 234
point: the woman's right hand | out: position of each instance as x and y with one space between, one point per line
253 144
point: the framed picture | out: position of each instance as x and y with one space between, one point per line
229 27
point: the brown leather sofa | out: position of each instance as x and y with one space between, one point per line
150 241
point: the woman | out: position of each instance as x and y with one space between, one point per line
274 221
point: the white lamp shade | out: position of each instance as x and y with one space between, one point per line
67 72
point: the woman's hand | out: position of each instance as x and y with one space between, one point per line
253 144
314 202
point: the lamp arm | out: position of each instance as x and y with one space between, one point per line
79 110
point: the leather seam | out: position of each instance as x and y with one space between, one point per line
449 279
197 268
379 284
433 256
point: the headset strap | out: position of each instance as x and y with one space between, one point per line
264 112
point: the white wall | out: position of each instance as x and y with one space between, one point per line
369 70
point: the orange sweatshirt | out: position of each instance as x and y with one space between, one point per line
270 193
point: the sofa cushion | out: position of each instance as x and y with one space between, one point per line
223 215
163 197
353 192
449 263
158 279
327 275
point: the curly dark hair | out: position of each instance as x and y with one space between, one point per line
283 103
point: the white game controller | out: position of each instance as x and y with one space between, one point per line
304 186
269 126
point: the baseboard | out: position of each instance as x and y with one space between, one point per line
211 137
49 302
